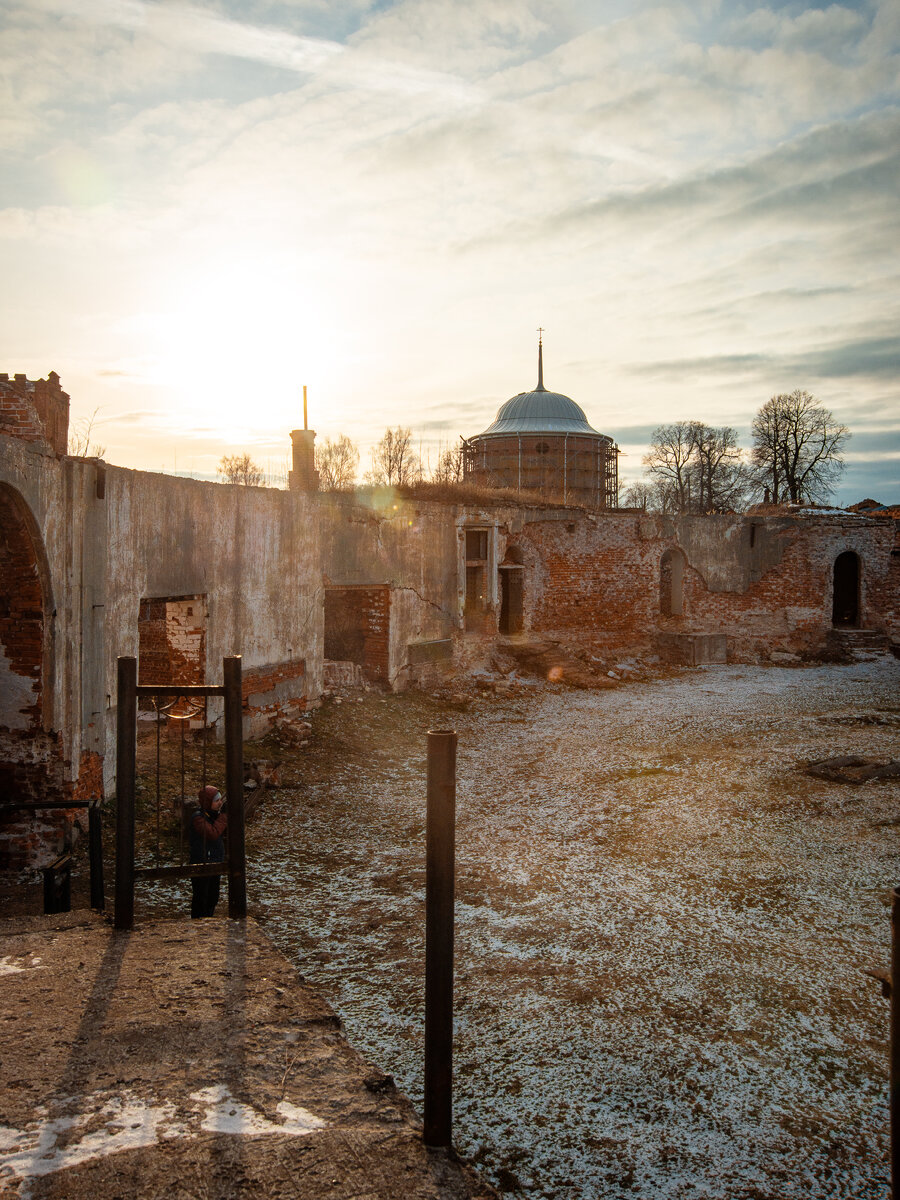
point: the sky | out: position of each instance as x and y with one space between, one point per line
205 206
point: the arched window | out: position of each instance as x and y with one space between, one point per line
671 584
845 591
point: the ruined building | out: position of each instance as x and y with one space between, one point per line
98 561
541 443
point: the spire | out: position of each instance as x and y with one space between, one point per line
540 383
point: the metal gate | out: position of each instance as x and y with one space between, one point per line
234 866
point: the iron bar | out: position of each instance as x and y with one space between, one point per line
95 855
234 787
35 805
895 1044
183 689
182 871
440 833
126 745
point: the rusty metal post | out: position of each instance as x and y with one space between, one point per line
234 787
440 837
126 745
895 1044
95 854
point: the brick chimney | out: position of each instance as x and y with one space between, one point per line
304 477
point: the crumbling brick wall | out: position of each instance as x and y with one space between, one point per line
272 693
172 640
357 627
765 582
35 410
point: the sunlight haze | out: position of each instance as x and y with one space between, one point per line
204 207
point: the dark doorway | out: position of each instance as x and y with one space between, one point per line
845 604
476 612
512 599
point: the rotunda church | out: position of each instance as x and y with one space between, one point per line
541 442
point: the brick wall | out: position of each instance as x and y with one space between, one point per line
21 621
274 692
35 410
172 640
357 628
600 577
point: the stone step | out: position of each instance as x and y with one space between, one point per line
870 640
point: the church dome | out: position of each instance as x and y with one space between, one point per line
539 411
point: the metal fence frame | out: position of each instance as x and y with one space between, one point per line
128 692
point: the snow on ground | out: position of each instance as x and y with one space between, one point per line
662 927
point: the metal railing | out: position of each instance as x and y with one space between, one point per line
234 866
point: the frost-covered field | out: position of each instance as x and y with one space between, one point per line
662 926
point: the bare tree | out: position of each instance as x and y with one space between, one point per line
80 445
797 447
639 495
699 468
394 462
724 480
336 462
669 461
449 467
240 468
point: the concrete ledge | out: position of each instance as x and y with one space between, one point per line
188 1058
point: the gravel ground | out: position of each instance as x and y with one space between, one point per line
662 925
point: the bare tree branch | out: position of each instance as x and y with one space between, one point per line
797 447
240 468
336 462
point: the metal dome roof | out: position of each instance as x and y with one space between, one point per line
540 411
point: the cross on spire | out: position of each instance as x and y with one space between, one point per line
540 382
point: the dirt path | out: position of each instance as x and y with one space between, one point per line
662 925
186 1059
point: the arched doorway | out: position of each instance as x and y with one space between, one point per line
671 584
32 767
22 603
845 592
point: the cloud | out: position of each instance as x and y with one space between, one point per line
698 201
867 358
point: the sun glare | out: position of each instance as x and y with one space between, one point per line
235 345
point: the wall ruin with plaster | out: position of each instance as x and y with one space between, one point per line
106 540
764 581
100 556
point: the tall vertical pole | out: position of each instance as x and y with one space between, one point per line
895 1044
234 787
126 739
95 855
440 837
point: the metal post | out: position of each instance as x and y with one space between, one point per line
95 854
440 836
895 1044
234 787
126 744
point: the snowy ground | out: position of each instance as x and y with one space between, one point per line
662 925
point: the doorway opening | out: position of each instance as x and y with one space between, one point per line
845 593
671 584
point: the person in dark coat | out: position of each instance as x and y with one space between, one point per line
206 833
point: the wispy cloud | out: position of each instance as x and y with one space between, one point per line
384 201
